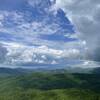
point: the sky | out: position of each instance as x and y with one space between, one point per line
49 32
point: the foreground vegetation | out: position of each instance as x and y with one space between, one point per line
50 86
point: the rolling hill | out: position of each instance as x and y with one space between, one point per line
51 86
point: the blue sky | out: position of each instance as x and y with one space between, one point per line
37 31
34 21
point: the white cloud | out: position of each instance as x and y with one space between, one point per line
54 62
85 15
27 32
44 57
19 53
36 28
34 3
14 15
88 64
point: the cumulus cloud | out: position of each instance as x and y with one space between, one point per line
19 53
85 15
39 31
